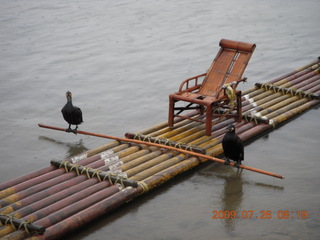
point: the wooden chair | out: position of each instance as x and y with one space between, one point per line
211 96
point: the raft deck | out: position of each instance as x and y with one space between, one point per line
60 198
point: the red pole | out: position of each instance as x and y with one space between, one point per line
167 147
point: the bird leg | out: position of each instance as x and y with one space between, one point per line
69 128
238 163
227 162
72 130
75 130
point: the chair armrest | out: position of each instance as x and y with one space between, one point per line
232 84
195 85
236 83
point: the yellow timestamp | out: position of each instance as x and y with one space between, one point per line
262 214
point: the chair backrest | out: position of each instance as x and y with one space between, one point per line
228 66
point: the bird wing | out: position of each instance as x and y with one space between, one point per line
240 148
78 113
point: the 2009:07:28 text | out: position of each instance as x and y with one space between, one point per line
263 214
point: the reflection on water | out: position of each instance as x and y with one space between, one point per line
232 197
233 194
74 148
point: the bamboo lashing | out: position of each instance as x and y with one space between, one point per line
292 91
164 141
167 147
21 224
101 175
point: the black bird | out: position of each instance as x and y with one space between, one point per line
232 147
72 114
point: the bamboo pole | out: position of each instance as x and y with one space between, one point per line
315 91
18 223
148 164
88 199
83 158
286 115
164 126
286 108
93 172
271 104
24 178
266 105
168 173
151 162
298 72
287 79
143 160
38 213
170 148
284 103
23 185
33 199
140 160
287 82
135 155
86 215
155 169
34 189
308 83
179 130
46 206
164 142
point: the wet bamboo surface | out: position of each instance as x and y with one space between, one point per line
62 200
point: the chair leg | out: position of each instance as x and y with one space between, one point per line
208 120
239 107
171 111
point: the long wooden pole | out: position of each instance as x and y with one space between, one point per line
166 147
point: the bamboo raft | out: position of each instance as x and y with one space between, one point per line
53 201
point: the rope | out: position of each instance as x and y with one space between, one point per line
10 220
25 226
20 224
291 91
121 181
64 164
109 178
96 173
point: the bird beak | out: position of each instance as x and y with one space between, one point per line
230 128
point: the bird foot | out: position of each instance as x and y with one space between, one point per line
237 165
72 130
226 162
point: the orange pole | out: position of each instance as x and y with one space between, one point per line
166 147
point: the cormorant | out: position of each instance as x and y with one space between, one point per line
232 147
72 114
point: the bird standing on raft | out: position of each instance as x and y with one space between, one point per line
232 147
72 114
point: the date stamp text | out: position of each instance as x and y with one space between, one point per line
262 214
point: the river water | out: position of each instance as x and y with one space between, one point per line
121 60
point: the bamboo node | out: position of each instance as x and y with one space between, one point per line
144 186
